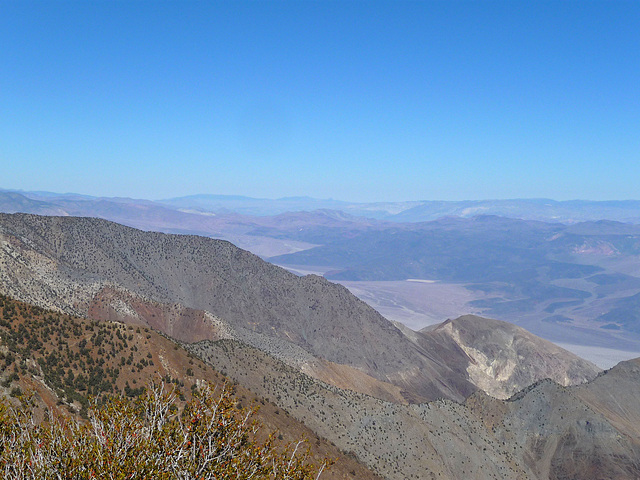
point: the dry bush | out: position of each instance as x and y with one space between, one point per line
147 438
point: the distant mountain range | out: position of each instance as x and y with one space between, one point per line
546 210
575 283
420 211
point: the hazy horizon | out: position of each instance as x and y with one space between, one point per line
345 200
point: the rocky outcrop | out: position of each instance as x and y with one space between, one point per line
502 358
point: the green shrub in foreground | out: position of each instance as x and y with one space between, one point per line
147 438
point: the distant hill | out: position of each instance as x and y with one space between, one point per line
546 210
12 202
515 268
251 206
266 236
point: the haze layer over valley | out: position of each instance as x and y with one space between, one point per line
574 283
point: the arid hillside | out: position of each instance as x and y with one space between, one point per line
545 431
195 288
405 404
65 361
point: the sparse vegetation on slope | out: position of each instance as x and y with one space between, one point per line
75 359
194 288
547 431
53 395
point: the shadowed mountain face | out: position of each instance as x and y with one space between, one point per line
196 288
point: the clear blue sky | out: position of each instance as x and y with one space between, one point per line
353 100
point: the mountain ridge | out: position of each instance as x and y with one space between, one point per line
75 259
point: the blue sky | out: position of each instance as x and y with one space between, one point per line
360 101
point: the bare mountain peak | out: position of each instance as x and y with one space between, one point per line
504 358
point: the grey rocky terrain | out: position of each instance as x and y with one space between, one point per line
546 431
428 404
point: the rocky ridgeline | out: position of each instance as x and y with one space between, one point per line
546 431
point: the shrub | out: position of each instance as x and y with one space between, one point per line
147 438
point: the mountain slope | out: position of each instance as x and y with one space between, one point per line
81 265
64 360
255 322
546 431
67 262
195 288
